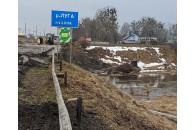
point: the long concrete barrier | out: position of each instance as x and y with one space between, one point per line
169 116
64 120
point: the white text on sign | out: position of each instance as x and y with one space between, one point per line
64 15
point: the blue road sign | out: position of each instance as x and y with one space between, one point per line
64 19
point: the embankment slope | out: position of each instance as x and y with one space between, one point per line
104 106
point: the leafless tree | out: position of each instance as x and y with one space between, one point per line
125 29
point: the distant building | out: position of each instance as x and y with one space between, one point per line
172 39
99 43
132 38
148 39
21 34
87 39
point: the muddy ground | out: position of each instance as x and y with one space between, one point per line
90 59
146 56
82 59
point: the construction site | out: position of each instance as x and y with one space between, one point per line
112 87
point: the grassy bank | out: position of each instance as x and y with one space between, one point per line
104 105
108 103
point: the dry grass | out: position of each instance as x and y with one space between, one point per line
110 104
107 103
37 87
165 103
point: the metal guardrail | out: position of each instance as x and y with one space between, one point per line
64 120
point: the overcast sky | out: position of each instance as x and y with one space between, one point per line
38 12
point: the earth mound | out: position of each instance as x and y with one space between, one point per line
79 57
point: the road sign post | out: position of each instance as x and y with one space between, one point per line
71 47
65 35
57 40
66 19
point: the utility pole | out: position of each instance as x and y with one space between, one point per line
19 30
36 31
44 31
25 30
29 31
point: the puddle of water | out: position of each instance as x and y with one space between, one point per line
146 86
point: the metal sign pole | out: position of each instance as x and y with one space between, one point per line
67 22
71 47
25 30
57 44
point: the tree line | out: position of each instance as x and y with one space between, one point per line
104 27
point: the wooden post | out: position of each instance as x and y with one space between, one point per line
65 78
57 62
79 110
78 104
60 65
71 100
165 66
60 75
58 56
57 52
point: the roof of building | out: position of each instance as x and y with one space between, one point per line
172 38
127 36
87 39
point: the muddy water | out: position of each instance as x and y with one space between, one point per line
147 86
